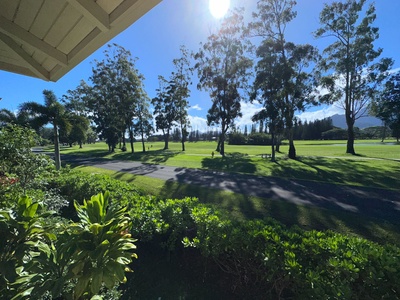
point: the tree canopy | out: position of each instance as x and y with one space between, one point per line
352 59
223 70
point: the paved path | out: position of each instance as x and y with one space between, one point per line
369 201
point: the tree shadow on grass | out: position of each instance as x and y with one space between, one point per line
150 157
232 162
381 228
153 157
345 171
371 202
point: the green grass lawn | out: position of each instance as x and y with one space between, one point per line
376 165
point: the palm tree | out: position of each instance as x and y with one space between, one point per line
52 112
8 117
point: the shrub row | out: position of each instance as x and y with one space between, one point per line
266 260
237 138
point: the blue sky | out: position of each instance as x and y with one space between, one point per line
155 41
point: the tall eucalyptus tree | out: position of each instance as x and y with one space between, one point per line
352 59
223 70
284 82
164 109
181 79
111 99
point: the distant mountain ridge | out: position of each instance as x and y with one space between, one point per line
364 122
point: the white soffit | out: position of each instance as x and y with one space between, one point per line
47 38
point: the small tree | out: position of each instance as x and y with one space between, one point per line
79 129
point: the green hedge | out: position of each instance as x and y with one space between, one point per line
266 260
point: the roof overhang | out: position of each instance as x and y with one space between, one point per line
47 38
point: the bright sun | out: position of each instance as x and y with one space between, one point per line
218 8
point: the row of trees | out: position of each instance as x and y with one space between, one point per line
287 78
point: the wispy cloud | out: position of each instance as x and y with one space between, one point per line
198 123
195 107
248 111
321 114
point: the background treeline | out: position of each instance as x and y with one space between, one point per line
313 130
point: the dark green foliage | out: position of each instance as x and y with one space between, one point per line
111 99
70 260
17 159
335 134
387 106
265 260
237 138
259 139
77 186
312 130
254 138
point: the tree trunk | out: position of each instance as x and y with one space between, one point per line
222 142
57 148
166 137
273 146
222 146
350 140
277 145
131 140
350 134
383 133
183 134
183 145
292 149
218 149
143 146
80 145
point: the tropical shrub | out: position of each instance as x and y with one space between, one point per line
73 186
237 138
259 139
17 159
72 261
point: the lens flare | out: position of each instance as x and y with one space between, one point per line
218 8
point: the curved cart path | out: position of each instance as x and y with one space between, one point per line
373 202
